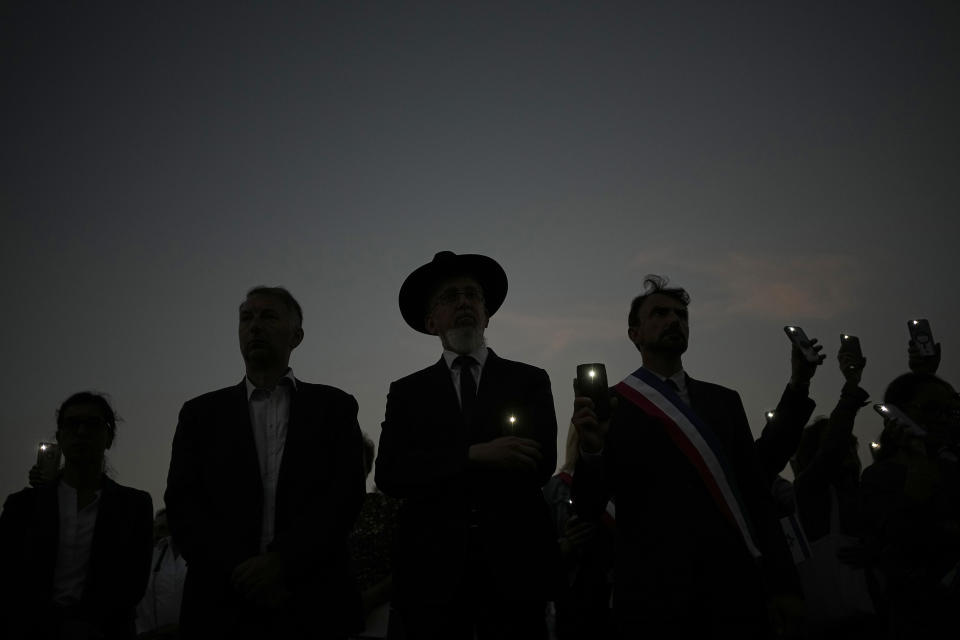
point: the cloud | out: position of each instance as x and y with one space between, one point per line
726 287
782 287
550 334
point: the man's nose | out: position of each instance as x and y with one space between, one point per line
463 301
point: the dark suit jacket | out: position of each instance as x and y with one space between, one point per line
423 459
680 564
780 437
117 573
214 502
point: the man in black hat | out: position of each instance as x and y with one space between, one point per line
468 442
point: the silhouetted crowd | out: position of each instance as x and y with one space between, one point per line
666 518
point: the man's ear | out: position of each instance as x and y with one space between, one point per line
297 338
429 324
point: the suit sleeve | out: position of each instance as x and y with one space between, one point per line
593 484
541 398
318 534
417 461
410 463
197 533
141 547
781 436
812 485
13 522
779 571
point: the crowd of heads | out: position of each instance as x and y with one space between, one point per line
456 306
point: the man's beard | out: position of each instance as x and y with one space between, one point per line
463 340
671 342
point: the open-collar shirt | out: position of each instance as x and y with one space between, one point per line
679 379
270 416
75 543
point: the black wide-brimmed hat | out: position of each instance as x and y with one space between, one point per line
422 283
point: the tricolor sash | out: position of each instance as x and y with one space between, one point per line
695 440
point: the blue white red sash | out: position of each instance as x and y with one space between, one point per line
695 440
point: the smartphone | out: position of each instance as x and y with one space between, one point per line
850 343
799 337
922 336
592 382
892 412
48 459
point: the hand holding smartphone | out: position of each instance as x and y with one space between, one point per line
851 357
48 461
922 336
850 344
894 414
591 382
799 337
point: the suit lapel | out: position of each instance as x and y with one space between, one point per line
46 531
488 377
240 429
297 422
710 411
492 412
106 523
699 403
303 416
441 379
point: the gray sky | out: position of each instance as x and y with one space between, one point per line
785 162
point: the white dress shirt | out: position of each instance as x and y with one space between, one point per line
479 357
160 606
75 544
679 379
269 416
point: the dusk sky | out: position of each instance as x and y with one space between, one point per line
786 162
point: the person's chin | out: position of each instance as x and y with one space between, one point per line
464 339
259 358
672 346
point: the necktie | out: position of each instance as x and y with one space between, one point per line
468 386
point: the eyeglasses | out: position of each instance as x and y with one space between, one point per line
452 296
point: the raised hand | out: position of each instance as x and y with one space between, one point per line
592 432
920 363
801 369
851 365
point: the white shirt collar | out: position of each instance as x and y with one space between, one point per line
480 355
251 387
64 490
679 378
